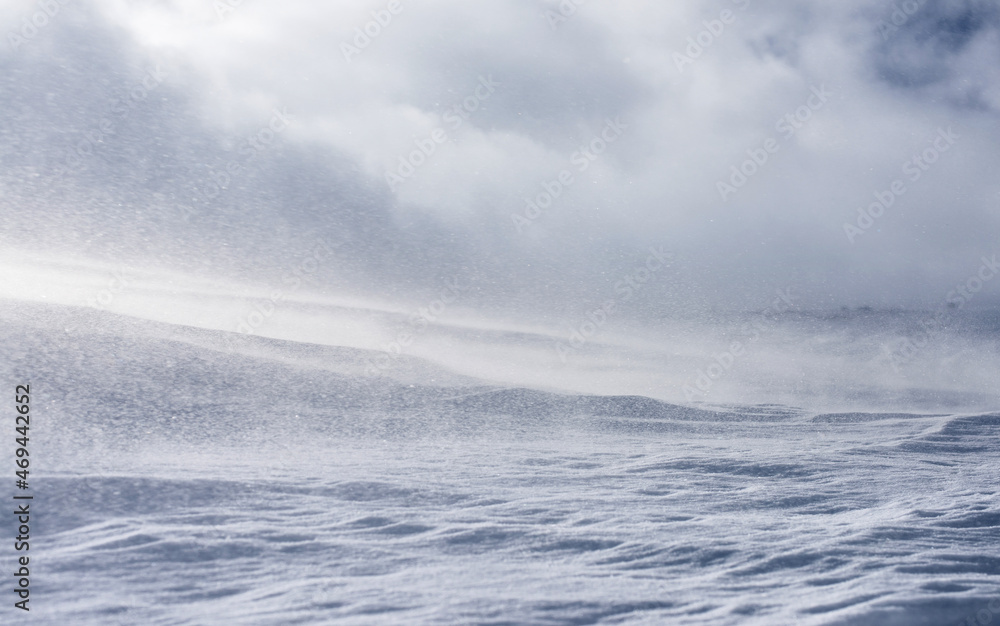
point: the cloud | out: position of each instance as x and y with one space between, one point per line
146 190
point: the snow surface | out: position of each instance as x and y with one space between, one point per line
192 476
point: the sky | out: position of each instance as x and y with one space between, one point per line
700 156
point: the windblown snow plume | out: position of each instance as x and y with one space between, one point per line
520 312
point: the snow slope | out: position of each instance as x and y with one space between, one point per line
192 476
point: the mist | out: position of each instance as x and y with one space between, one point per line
527 311
186 138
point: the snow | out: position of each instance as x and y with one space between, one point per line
186 477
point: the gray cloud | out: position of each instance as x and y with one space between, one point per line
146 191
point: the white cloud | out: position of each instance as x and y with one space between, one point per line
686 128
